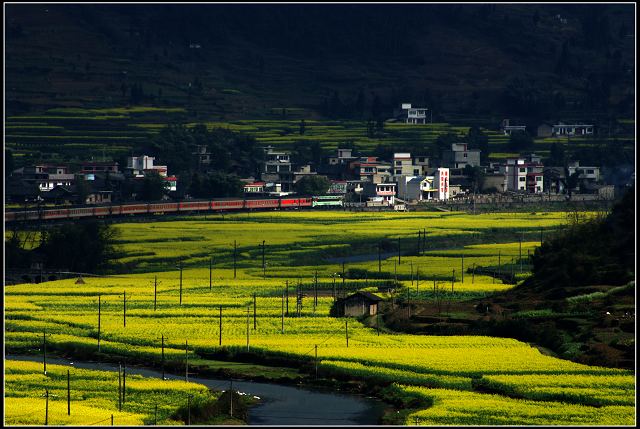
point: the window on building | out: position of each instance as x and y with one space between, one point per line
523 170
522 179
590 171
464 154
538 178
398 171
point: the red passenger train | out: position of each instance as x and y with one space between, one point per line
219 205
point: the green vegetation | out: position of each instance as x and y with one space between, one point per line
431 366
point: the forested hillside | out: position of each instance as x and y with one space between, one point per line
222 62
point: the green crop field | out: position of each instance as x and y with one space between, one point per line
533 388
94 396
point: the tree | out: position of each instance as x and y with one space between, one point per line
475 176
520 141
478 140
443 142
557 156
216 185
312 185
153 187
80 247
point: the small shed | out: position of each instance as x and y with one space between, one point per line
358 304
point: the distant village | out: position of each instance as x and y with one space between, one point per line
367 181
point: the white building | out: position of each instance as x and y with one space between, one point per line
415 115
137 166
523 176
442 183
571 130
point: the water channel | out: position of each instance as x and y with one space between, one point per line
279 405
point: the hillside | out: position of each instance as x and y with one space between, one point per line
579 302
225 62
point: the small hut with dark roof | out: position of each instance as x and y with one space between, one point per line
358 304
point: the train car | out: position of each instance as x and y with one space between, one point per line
272 203
327 201
9 216
227 204
134 208
163 207
294 203
21 215
187 206
115 210
102 211
55 214
81 212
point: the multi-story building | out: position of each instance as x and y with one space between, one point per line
344 156
277 168
138 166
44 176
369 169
460 156
523 176
403 165
571 130
384 192
414 115
508 129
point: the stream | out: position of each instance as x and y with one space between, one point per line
279 405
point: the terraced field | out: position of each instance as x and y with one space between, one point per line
453 373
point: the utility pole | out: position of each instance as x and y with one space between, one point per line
186 360
99 321
124 308
346 331
264 269
473 273
44 350
124 381
119 387
68 393
424 239
188 410
282 312
419 240
520 253
155 292
235 251
180 267
247 328
315 290
287 289
334 286
46 409
398 250
411 271
162 356
343 279
231 398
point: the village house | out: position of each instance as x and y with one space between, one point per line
384 193
460 156
523 175
415 115
508 129
358 304
571 130
277 168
